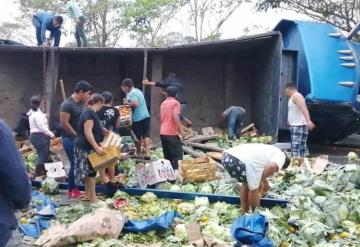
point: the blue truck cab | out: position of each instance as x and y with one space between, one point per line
325 66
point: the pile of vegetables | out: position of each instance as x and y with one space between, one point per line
224 142
324 210
214 219
214 187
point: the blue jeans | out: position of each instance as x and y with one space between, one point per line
234 119
68 143
54 34
79 32
41 142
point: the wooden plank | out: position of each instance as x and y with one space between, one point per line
248 128
156 98
320 164
208 131
192 152
205 147
215 155
202 138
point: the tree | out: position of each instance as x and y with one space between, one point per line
104 17
343 14
146 20
207 17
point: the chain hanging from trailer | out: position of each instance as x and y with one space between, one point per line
44 96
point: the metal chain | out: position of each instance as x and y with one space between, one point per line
44 79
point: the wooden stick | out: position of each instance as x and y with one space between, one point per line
62 89
206 147
247 128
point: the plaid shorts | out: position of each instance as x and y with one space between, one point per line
299 135
234 167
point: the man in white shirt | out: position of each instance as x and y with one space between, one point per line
299 121
251 165
79 19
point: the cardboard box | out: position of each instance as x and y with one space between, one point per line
55 170
112 154
155 172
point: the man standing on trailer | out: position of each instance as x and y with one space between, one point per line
140 117
79 19
171 127
299 121
43 21
173 80
251 165
233 118
70 111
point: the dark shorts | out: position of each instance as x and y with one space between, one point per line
172 149
234 167
141 129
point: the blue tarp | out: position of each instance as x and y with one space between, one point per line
160 223
250 229
45 211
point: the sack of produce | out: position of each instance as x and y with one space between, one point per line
102 223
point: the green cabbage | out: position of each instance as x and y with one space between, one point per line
163 186
188 188
50 186
206 188
313 231
175 187
352 156
148 197
181 233
220 233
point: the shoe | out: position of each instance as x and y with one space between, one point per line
75 193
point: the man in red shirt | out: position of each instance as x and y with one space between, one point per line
171 128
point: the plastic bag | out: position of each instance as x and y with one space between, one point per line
162 222
251 229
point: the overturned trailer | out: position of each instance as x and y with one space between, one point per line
218 74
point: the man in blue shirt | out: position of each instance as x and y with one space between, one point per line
15 192
44 21
140 117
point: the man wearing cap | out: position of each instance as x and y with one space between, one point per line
251 165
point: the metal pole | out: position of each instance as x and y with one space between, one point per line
145 68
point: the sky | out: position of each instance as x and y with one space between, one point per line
245 17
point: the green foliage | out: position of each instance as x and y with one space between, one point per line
342 14
146 20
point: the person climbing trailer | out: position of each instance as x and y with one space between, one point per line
43 22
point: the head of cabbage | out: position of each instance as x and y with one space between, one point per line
50 186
